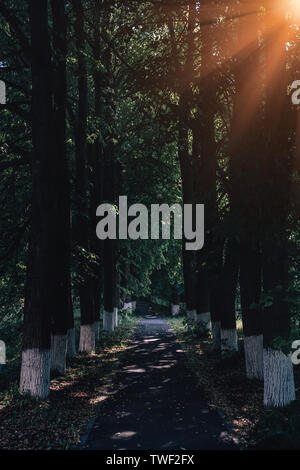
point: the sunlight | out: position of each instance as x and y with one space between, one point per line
135 371
124 435
295 8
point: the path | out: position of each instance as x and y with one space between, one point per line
153 403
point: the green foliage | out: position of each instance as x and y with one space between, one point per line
141 70
280 429
194 331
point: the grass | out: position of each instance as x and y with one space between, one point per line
57 423
225 386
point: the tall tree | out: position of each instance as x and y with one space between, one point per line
81 223
279 388
96 164
39 294
62 315
229 280
247 182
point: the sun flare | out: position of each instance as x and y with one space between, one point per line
295 8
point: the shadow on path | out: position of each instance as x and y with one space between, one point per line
153 403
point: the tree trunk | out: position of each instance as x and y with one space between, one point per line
175 296
97 170
62 280
95 244
229 342
250 283
87 329
39 294
204 152
109 266
71 344
109 286
246 182
279 388
216 296
175 302
189 258
117 298
203 301
126 285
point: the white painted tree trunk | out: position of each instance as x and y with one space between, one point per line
279 386
116 317
253 346
216 335
203 319
59 353
133 305
35 373
174 310
71 346
97 327
191 314
108 321
128 306
229 342
87 338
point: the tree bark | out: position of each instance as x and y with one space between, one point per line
61 320
246 145
97 168
189 258
39 290
87 330
109 252
250 284
229 343
279 388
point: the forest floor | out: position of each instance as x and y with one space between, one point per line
225 386
59 422
153 402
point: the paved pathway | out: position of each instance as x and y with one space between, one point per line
153 403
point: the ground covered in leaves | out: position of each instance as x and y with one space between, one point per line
58 422
225 386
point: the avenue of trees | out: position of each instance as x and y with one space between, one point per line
164 101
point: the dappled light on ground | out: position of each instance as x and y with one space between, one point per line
155 403
57 423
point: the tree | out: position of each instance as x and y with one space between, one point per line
81 222
246 157
39 293
62 315
279 388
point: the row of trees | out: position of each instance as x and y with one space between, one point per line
238 87
219 75
63 112
164 101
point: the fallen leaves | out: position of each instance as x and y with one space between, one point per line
226 387
58 423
